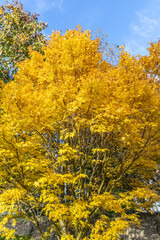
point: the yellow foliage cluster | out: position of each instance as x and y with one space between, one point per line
79 138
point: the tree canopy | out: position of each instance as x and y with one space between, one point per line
79 139
19 29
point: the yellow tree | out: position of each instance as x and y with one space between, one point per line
152 63
79 140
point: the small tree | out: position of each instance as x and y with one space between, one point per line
19 29
79 140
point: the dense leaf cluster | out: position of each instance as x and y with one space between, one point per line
79 139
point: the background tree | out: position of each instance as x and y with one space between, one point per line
79 140
111 52
19 29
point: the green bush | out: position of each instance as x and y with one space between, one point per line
27 237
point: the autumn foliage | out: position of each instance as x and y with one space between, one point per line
79 139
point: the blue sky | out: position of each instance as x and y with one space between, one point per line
133 23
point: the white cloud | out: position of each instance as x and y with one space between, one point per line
146 25
45 5
145 29
135 47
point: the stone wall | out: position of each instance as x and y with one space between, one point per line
150 229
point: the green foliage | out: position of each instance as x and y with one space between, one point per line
19 29
26 237
2 238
